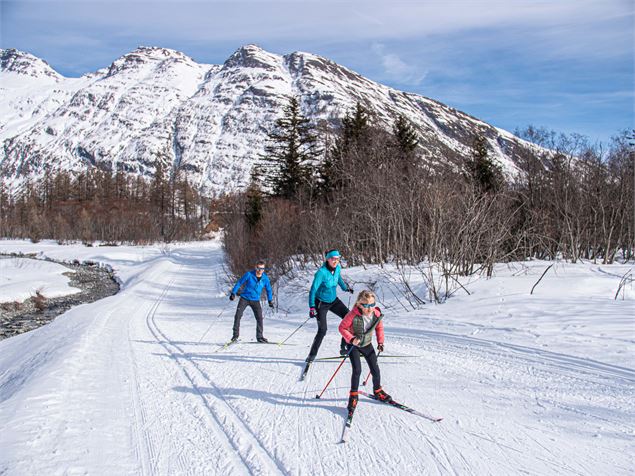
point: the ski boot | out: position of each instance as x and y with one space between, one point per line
382 396
262 340
352 401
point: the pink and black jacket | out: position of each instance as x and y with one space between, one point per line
353 326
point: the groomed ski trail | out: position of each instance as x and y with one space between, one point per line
133 384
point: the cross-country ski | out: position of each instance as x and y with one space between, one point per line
348 423
401 406
305 370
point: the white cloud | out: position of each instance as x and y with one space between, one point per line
396 69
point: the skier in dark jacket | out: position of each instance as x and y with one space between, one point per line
323 298
252 283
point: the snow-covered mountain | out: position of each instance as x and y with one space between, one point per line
211 120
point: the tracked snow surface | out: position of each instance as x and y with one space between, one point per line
137 384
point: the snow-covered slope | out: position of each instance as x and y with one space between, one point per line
138 383
156 104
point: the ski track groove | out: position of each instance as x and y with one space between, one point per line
258 448
149 455
146 452
299 427
540 368
150 316
569 366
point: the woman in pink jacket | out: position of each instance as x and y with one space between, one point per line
357 329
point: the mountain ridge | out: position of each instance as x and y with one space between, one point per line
157 104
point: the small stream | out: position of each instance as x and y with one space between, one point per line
94 281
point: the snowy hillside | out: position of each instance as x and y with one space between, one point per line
156 104
138 383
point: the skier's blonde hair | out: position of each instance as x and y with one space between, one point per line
365 297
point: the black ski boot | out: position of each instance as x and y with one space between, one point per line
352 401
382 396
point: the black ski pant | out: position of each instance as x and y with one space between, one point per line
371 359
336 307
255 306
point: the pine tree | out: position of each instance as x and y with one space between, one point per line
290 153
405 135
352 136
255 200
406 142
327 176
481 170
354 125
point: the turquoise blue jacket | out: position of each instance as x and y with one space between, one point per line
325 284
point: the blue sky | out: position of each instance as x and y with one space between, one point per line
562 64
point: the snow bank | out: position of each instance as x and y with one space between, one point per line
20 278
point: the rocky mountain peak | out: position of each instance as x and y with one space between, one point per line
144 55
20 62
251 56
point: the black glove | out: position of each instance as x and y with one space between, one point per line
232 296
350 290
270 303
380 347
312 312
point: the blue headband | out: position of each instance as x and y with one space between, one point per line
333 254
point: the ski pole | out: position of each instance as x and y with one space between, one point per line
212 323
336 370
368 376
297 329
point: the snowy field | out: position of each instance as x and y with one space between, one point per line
137 383
21 278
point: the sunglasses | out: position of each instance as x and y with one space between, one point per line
260 269
368 306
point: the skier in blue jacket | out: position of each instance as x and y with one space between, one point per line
323 298
252 283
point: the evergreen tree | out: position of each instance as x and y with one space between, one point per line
352 136
405 135
255 200
327 175
481 170
354 125
406 142
290 153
